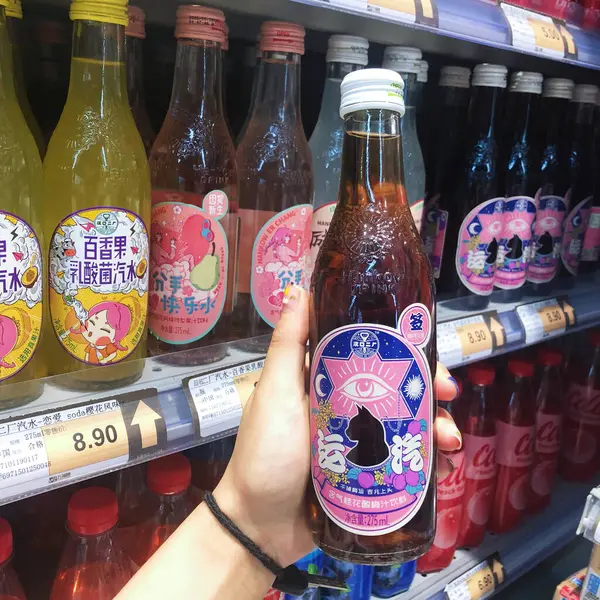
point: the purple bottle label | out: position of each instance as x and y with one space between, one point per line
514 247
371 425
434 235
575 226
477 248
547 235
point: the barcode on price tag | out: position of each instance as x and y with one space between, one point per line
546 318
217 399
407 11
479 582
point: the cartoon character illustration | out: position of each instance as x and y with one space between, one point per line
280 243
8 339
372 449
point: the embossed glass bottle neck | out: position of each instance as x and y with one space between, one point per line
134 70
482 111
7 88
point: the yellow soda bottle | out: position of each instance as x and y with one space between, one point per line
97 211
21 271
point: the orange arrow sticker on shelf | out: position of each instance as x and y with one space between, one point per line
145 418
408 11
569 312
477 583
498 330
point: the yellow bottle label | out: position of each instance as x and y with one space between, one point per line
21 294
98 276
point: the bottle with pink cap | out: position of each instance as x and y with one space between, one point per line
10 588
274 165
194 200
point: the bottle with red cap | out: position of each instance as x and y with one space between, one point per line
479 444
93 565
515 429
548 427
581 433
10 588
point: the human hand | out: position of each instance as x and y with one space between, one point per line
264 485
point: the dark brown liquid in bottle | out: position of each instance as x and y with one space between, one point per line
371 266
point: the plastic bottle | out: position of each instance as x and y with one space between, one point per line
312 563
131 491
93 565
407 62
359 578
548 428
10 588
97 212
479 444
276 186
515 448
393 580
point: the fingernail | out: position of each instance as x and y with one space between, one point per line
455 384
291 295
456 435
450 464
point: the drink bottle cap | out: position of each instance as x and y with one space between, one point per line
481 374
103 11
169 474
372 88
348 49
92 511
226 32
526 82
594 337
6 538
196 22
423 76
585 94
556 87
277 36
137 23
486 75
520 368
402 59
455 77
550 357
14 9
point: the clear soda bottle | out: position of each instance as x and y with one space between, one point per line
10 588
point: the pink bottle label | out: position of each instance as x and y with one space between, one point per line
480 456
547 235
453 485
279 256
547 433
369 378
514 247
321 219
575 226
477 249
543 475
591 240
515 445
583 404
188 277
434 235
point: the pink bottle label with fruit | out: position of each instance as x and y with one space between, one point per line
547 433
477 248
321 219
591 240
575 226
583 404
280 255
189 257
515 445
480 456
370 378
434 235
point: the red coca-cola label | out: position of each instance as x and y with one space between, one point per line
515 444
583 404
453 485
480 456
547 433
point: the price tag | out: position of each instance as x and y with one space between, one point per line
217 399
406 11
479 582
546 318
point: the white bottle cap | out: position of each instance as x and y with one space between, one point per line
555 87
402 59
526 82
486 75
372 88
348 49
585 94
423 75
455 77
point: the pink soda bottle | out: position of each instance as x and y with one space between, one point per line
548 428
515 429
10 588
479 445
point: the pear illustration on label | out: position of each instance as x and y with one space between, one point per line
492 252
205 275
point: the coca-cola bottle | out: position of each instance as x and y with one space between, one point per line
515 428
479 444
372 343
548 428
581 430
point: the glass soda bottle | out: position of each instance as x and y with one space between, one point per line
422 106
358 578
582 164
474 230
194 200
407 62
443 160
548 428
518 183
97 211
479 444
251 71
393 580
135 34
345 53
515 428
553 180
581 430
372 342
10 588
93 565
276 185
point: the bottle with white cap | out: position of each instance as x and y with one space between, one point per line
372 298
518 180
552 173
443 162
475 223
582 163
407 62
345 54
